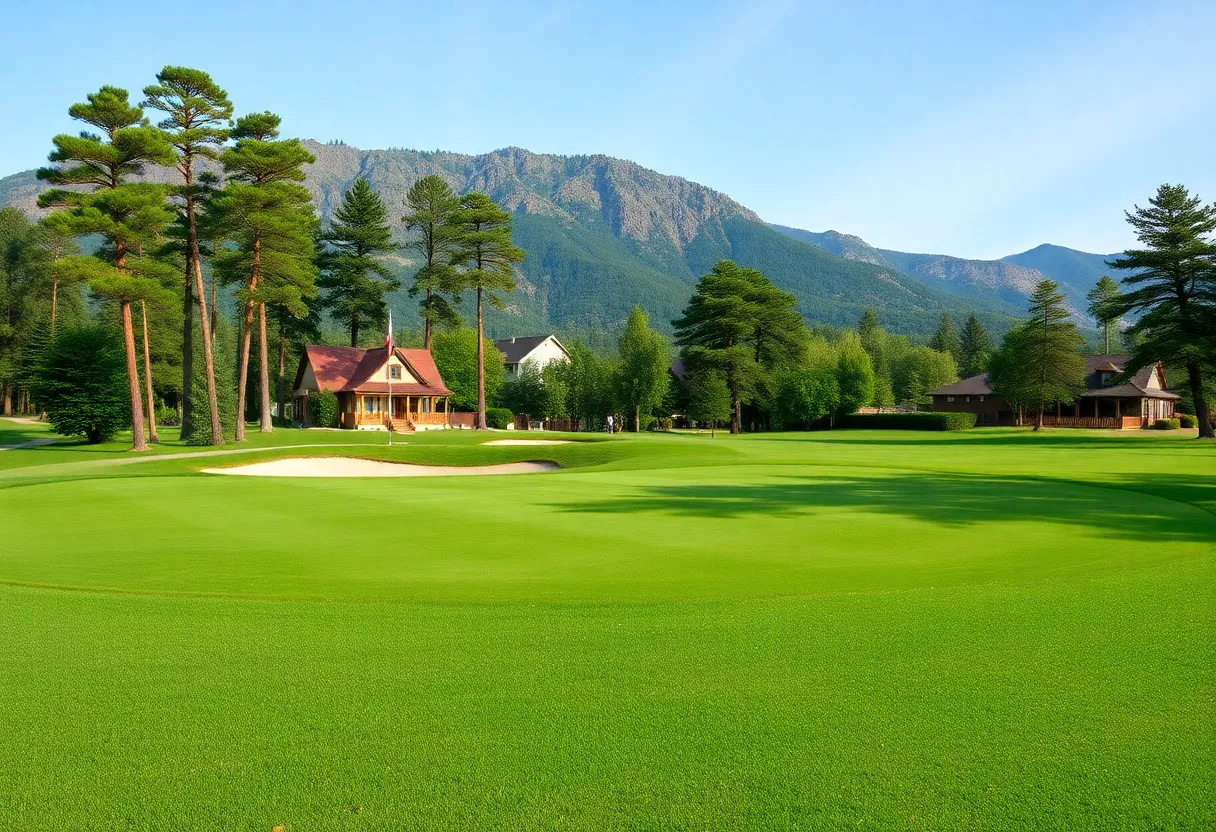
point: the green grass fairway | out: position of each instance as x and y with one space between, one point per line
845 630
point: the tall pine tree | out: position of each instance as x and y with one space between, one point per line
1104 306
1172 287
489 258
975 346
126 214
197 111
355 282
269 216
945 339
432 215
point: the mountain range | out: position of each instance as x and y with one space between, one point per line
602 234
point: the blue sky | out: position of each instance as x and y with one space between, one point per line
963 128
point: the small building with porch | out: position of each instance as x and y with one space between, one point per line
1137 402
376 391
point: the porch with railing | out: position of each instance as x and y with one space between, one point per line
1102 422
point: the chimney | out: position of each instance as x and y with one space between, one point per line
512 339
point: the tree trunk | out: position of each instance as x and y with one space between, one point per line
54 300
1038 418
1202 411
138 443
736 416
637 418
354 329
5 393
187 420
152 437
481 371
426 327
243 370
281 384
267 424
208 327
1106 337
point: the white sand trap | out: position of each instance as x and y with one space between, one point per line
335 466
527 442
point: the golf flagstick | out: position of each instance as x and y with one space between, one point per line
388 356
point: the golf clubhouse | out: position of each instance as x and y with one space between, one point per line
1137 402
402 392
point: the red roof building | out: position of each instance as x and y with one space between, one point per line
402 392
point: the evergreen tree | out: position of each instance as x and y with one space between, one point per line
1104 306
126 214
80 384
489 257
739 323
874 341
1041 360
1172 287
196 112
355 282
642 376
432 215
709 398
975 346
56 239
525 394
268 214
945 339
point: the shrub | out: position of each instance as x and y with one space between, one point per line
81 383
323 407
1186 420
166 416
499 417
1166 424
908 421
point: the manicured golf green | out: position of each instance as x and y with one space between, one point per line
839 630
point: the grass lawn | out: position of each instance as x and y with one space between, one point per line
845 630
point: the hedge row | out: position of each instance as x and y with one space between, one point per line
908 421
499 417
1186 420
1166 424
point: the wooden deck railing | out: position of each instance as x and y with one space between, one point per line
1107 422
429 418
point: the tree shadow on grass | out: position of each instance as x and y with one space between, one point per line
1014 438
945 500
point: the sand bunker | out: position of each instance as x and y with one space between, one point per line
527 442
351 467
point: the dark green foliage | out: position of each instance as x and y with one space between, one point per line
1104 301
975 347
917 370
455 355
1040 361
709 398
946 339
806 396
432 217
1186 420
1171 424
224 346
354 281
908 421
323 408
81 383
586 378
1172 288
499 417
526 393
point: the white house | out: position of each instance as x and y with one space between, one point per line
541 349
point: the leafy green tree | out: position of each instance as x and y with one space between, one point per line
489 258
587 379
1104 306
456 355
432 215
81 384
197 111
709 398
268 215
355 281
126 214
526 392
739 323
874 341
1041 360
946 339
1172 288
975 346
555 378
642 376
806 396
917 370
854 374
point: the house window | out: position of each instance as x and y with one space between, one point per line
968 398
981 398
1106 379
394 372
949 398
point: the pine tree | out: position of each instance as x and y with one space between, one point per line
197 110
642 376
945 339
356 283
433 208
975 345
1041 360
489 258
126 214
265 210
1172 285
1104 306
874 341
